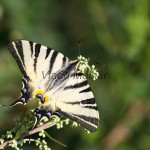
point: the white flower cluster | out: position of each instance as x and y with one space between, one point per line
74 124
1 141
85 68
94 73
17 122
87 131
44 119
9 134
14 145
61 123
42 134
42 144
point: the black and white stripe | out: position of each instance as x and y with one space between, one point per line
36 55
31 47
27 53
77 85
70 95
78 103
18 57
86 90
47 52
87 122
86 101
52 61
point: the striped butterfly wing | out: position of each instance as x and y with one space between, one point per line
76 101
53 76
37 64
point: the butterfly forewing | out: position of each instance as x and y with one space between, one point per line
60 80
29 55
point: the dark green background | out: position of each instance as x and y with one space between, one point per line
116 35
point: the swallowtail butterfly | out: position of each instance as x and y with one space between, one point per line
57 82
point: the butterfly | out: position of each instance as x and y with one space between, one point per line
57 82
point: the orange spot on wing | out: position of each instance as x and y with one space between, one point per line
38 92
46 100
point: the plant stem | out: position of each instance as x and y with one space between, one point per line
38 129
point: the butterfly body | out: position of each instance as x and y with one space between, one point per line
57 82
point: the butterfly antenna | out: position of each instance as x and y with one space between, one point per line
15 103
79 43
19 101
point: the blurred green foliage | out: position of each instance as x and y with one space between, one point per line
115 35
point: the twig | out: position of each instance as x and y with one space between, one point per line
124 128
38 129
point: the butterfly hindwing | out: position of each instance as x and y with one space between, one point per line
78 103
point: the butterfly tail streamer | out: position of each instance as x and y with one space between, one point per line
19 101
1 105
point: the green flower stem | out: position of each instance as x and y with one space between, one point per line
38 129
54 139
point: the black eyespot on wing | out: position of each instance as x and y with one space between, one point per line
25 81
